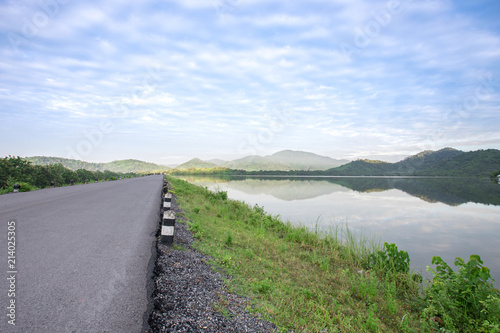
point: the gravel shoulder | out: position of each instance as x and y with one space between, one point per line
190 296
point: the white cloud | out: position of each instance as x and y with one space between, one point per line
179 60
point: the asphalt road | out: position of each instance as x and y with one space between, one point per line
84 256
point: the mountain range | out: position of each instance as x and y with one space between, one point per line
285 160
444 162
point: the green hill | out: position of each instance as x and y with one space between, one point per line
122 166
363 168
425 160
475 163
445 162
67 163
133 166
197 164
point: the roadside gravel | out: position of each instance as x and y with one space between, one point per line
191 297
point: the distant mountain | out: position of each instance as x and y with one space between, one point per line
131 165
426 159
123 166
285 160
255 163
444 162
362 168
299 160
217 162
196 163
474 163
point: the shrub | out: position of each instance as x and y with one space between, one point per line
390 260
25 187
462 301
218 195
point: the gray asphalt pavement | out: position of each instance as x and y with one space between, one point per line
83 256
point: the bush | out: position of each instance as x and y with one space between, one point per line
218 195
25 187
390 260
462 301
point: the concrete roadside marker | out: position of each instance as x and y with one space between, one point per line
168 227
167 202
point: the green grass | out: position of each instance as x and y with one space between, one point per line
336 281
301 280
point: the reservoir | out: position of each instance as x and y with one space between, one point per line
446 217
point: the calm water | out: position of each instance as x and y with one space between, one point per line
423 216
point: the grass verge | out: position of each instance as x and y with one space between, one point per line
306 281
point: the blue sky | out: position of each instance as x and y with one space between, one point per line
166 81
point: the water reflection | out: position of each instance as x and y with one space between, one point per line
451 191
424 216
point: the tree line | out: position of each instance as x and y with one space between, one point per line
16 170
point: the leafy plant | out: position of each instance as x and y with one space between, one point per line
464 300
390 260
25 187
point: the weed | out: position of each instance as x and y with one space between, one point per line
225 261
325 264
262 286
221 306
372 322
217 195
390 297
194 226
178 247
229 240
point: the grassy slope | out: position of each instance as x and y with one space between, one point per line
298 279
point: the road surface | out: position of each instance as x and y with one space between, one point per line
83 256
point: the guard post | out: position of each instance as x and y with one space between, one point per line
167 202
168 227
